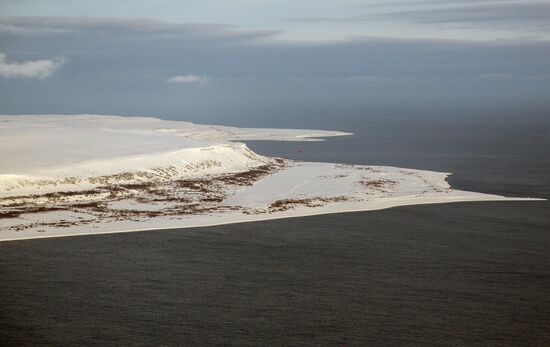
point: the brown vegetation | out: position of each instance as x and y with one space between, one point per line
287 204
381 185
180 197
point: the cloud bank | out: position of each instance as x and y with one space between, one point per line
128 66
188 79
516 16
29 69
130 27
521 15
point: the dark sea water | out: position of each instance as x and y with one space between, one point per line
465 274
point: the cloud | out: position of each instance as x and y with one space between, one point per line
188 79
129 27
495 77
524 14
134 56
519 15
29 69
505 77
432 2
124 67
133 68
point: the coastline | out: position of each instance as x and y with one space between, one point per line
286 215
161 175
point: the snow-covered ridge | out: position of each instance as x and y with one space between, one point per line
42 152
86 174
35 142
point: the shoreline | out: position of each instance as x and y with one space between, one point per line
172 175
275 217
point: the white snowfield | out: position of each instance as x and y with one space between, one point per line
88 174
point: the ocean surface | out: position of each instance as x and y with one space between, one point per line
465 274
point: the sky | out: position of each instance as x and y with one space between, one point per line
272 62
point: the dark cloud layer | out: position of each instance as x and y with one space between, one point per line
122 67
524 14
128 27
489 14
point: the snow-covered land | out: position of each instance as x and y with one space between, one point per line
87 174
